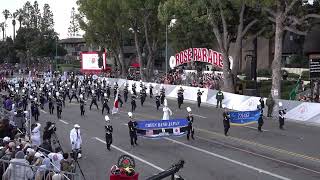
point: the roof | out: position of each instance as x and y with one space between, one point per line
72 41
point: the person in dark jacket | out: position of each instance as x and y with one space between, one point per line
219 97
260 123
270 104
132 130
226 122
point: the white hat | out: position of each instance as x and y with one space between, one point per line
165 103
188 109
107 118
23 91
49 93
92 91
81 96
6 139
105 94
130 114
76 126
35 99
31 97
131 92
280 104
140 80
57 93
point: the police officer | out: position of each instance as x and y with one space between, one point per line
260 123
282 112
59 105
150 90
157 100
261 101
125 92
109 129
94 100
219 97
199 94
132 130
82 103
190 129
270 104
51 106
180 97
226 122
133 102
105 103
162 94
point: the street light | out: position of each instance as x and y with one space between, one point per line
171 24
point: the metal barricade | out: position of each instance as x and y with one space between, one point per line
20 171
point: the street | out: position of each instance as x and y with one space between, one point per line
244 154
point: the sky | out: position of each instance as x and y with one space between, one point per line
61 11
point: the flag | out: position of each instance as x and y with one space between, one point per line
115 108
176 131
294 91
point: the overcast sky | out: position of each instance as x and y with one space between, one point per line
61 11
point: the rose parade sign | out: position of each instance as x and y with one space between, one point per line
197 55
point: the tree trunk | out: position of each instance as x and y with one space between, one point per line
228 83
276 64
137 44
124 68
14 32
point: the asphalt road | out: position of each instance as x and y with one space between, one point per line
246 154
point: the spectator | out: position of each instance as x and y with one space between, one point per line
18 172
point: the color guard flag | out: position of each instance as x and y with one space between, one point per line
115 108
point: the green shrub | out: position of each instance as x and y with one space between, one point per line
293 75
264 73
305 75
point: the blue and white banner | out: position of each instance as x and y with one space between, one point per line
244 117
162 128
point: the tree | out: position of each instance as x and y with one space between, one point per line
144 22
2 26
74 27
6 13
105 24
47 22
19 13
293 16
14 15
35 15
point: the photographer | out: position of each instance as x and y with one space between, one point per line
48 131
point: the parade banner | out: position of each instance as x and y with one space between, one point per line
162 128
242 118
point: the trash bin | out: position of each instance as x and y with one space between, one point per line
124 177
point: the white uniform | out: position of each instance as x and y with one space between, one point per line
35 135
75 138
166 113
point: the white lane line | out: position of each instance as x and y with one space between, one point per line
255 128
230 160
200 116
43 111
136 157
64 122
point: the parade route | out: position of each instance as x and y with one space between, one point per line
245 154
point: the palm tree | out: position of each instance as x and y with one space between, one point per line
14 15
2 25
19 14
6 14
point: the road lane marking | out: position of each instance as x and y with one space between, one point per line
256 154
135 157
43 111
229 160
199 116
250 127
261 145
64 122
251 143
